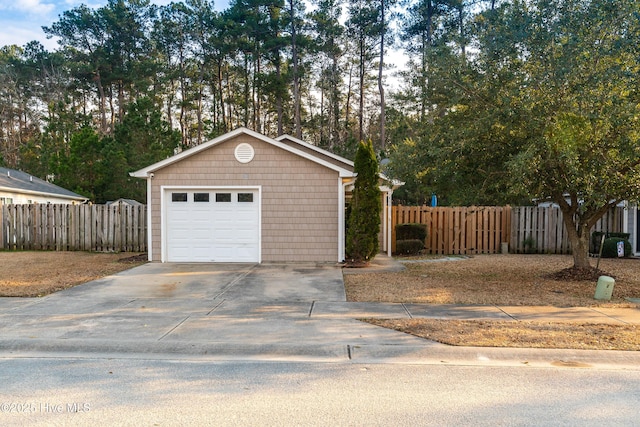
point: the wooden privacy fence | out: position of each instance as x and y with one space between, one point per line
100 228
457 230
541 229
483 229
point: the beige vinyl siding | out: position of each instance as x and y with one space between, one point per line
299 197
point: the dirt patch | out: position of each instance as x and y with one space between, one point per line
33 274
509 280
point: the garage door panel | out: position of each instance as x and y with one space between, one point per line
242 253
217 228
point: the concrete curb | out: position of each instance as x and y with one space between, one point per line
429 354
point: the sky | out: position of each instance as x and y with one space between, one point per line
21 21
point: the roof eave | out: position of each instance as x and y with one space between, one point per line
316 149
43 194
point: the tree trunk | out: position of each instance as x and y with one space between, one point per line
463 47
580 249
579 225
348 101
246 90
170 96
297 121
578 233
279 101
334 101
578 238
322 124
121 101
101 103
361 77
383 116
427 42
221 96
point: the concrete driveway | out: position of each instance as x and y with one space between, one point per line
226 309
245 312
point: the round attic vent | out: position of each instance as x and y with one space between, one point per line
244 153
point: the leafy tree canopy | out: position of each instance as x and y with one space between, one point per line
548 107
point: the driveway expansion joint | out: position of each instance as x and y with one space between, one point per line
216 307
174 328
509 315
313 303
233 282
611 317
407 311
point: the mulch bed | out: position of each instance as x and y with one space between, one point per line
134 259
577 274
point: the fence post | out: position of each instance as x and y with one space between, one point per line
394 222
3 227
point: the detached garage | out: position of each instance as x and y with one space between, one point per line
245 197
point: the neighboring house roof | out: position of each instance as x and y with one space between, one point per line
16 181
341 167
129 202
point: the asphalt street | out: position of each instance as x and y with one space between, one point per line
194 392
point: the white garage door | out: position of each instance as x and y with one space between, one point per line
212 225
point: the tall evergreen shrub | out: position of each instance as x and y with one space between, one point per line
364 217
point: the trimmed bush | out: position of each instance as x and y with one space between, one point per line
363 223
610 247
624 236
409 247
411 232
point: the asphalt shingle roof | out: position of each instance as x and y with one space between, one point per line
18 181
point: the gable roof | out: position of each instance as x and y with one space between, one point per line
392 182
343 170
129 202
348 164
21 182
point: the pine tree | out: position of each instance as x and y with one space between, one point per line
364 217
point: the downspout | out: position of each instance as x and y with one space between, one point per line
388 231
149 225
385 198
342 188
386 236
